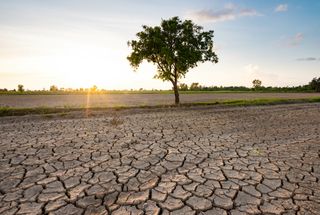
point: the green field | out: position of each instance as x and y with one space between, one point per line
10 111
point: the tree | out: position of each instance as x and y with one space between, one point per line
315 84
94 89
256 84
195 86
174 47
183 87
53 88
20 88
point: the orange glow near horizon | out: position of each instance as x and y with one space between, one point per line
88 104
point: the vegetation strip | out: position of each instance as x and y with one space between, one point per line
9 111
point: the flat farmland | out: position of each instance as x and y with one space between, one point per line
199 160
113 100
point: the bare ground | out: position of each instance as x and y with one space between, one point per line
239 160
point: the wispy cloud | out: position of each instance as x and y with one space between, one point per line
308 59
253 71
229 12
296 39
281 8
252 68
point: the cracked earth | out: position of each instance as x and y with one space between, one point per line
243 160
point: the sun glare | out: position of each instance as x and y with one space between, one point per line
86 66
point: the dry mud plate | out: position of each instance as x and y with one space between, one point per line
252 160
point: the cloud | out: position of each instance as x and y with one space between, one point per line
230 6
253 71
308 59
229 12
281 8
296 39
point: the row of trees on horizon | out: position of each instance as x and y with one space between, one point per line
312 86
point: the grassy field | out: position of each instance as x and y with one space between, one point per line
11 111
115 100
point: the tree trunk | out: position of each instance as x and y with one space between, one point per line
176 93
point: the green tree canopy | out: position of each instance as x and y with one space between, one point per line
195 86
174 47
20 88
315 84
256 84
54 88
183 87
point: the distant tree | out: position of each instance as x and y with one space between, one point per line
53 88
174 47
315 84
20 88
183 87
195 86
256 84
94 88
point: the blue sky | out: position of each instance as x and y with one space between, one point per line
79 43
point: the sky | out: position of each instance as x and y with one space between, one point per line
81 43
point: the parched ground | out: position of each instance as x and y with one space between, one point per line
243 160
112 100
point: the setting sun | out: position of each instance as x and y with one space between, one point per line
87 65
